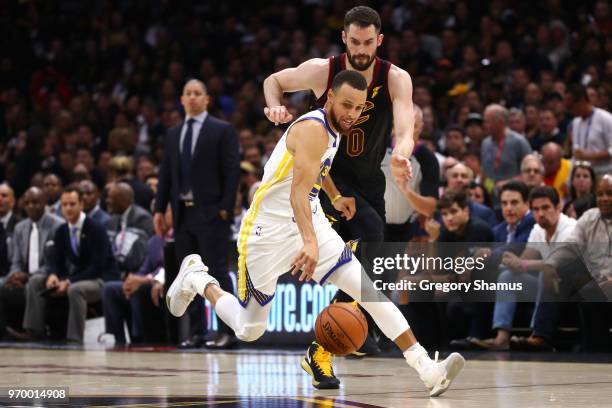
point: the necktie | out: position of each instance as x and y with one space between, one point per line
186 158
74 240
33 257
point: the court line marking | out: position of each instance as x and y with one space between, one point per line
488 388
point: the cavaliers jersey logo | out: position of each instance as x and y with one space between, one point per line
375 91
364 118
325 168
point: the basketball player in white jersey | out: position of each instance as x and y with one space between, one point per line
285 230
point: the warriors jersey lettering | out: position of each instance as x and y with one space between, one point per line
363 148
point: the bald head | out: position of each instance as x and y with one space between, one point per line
120 197
195 82
34 201
495 120
7 199
459 177
551 158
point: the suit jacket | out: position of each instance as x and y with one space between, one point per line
95 258
47 226
518 242
139 222
143 195
215 168
523 229
14 219
4 256
483 212
137 218
100 216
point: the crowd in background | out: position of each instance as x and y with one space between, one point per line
505 90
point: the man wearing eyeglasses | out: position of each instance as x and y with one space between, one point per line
532 171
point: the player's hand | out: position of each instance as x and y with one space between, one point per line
401 169
157 293
346 205
52 281
278 114
306 261
159 222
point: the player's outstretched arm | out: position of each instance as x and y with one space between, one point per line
307 142
311 74
400 90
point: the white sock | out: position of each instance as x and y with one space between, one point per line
416 356
199 281
228 309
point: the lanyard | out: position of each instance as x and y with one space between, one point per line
500 149
585 134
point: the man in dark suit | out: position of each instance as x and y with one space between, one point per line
129 227
125 212
83 261
199 177
31 242
7 202
8 218
91 202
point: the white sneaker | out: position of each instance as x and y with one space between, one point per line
192 275
438 376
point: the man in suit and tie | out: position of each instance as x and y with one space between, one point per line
32 241
83 261
91 202
199 177
125 212
129 227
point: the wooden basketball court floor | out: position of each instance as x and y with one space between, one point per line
256 378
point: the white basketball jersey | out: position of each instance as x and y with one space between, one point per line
271 200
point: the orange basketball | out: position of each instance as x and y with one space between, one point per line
341 328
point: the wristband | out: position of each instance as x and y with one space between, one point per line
336 198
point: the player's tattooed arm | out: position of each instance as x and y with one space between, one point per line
307 142
310 75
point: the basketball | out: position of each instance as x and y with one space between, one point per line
341 328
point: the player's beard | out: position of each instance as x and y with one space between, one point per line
336 123
357 66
